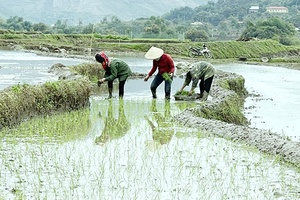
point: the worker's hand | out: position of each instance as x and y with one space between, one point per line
171 74
102 80
146 78
99 83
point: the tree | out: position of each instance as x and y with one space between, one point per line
88 29
40 27
196 35
269 29
27 25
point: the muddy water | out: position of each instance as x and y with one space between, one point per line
20 67
134 151
273 104
275 100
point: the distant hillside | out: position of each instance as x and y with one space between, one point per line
89 11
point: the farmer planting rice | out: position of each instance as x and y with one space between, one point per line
202 71
114 68
165 65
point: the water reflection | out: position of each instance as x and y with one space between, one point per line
114 128
275 98
162 128
18 67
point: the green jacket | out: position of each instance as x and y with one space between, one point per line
200 71
117 69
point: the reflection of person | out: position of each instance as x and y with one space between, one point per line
165 65
164 130
114 128
203 71
114 68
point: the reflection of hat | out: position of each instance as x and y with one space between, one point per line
154 53
182 68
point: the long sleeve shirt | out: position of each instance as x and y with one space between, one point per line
164 64
200 70
117 69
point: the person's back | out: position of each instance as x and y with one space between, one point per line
202 70
123 70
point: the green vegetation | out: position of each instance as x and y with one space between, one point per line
215 21
78 44
167 77
41 167
273 28
237 85
61 127
93 71
22 102
229 110
183 92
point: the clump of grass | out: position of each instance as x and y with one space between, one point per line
236 84
228 111
93 71
21 102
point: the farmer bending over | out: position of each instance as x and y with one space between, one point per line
202 71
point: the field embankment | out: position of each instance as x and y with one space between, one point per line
252 50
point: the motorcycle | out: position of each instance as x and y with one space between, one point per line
194 51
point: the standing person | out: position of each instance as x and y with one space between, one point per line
203 71
114 68
165 65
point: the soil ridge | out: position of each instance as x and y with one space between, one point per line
264 140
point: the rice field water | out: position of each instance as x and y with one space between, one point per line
131 149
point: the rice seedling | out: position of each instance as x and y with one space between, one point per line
146 157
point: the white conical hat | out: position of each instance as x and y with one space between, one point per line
154 53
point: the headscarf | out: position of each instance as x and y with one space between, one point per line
103 59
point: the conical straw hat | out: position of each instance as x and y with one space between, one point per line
154 53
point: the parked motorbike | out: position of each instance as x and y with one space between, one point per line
195 51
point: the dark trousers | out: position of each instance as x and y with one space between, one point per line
121 87
157 81
205 85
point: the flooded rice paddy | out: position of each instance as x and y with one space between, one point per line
20 67
131 149
274 97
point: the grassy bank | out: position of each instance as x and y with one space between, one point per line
22 102
254 49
